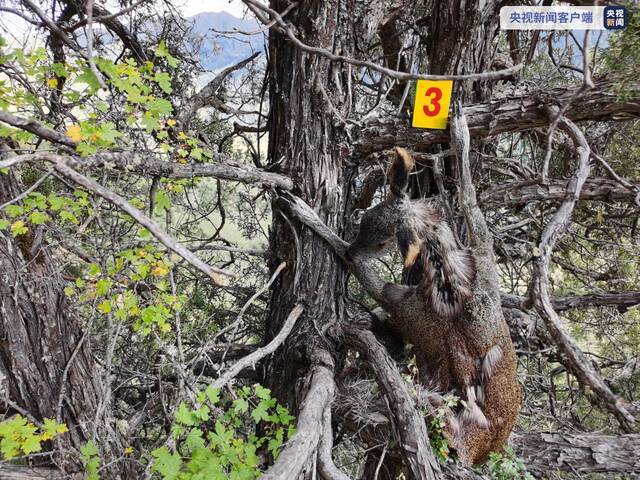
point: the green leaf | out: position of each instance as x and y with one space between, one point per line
160 106
88 450
163 79
104 307
14 210
185 416
260 412
31 444
262 392
150 121
68 216
18 228
196 153
102 286
240 405
85 149
213 394
90 79
194 439
38 218
109 133
167 464
163 201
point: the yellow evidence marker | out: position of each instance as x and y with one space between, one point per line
431 109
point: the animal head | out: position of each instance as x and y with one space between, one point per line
446 272
397 219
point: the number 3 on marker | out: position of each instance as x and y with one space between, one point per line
432 108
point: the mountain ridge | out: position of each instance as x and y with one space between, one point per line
221 50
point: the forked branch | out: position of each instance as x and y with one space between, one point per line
301 447
578 363
254 357
408 425
460 143
260 10
61 166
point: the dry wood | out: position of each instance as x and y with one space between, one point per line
500 116
301 447
581 453
207 95
521 193
398 75
257 355
575 359
621 300
326 467
408 425
23 472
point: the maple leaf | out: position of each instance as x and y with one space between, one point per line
74 133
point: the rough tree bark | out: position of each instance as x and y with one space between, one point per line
307 146
48 367
581 453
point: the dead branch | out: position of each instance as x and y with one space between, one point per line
55 29
521 193
460 142
408 425
61 166
500 116
146 166
106 17
90 59
369 279
254 357
36 128
580 453
303 444
284 28
205 96
540 294
23 472
326 467
132 162
622 300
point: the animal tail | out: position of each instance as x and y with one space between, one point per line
449 271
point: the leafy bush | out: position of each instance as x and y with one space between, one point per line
507 466
221 437
19 437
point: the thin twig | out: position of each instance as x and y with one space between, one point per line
63 380
362 63
540 294
61 166
260 353
27 191
92 63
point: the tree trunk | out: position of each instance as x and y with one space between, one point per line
580 453
308 146
48 368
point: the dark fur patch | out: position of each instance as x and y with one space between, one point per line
399 173
449 272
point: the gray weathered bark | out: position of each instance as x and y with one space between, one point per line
579 453
309 148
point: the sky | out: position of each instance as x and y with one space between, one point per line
192 7
14 28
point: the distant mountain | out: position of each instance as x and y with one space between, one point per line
219 51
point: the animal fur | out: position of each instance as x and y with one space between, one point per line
449 270
453 350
